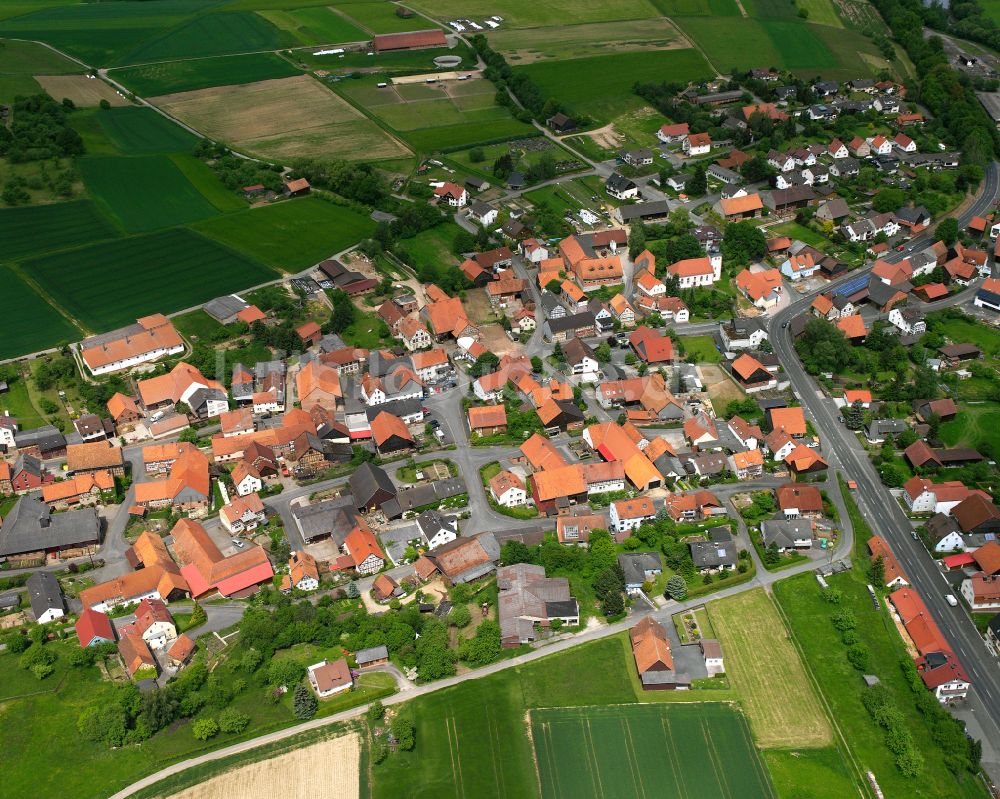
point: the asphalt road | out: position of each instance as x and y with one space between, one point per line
878 506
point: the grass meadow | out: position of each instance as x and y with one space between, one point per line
764 667
21 61
152 80
697 8
528 45
647 750
381 17
529 14
601 86
316 25
110 284
290 235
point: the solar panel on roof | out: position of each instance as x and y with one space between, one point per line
851 286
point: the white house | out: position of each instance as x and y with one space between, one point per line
783 162
508 490
880 145
982 592
46 598
629 514
451 194
243 513
482 213
154 624
8 427
668 134
621 188
152 337
329 678
711 650
437 529
904 143
246 479
698 144
693 272
909 321
837 149
303 572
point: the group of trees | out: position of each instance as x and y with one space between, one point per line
234 173
528 93
39 130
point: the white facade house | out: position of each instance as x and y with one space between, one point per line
880 145
249 484
695 272
630 514
8 427
908 321
952 542
507 490
982 592
159 634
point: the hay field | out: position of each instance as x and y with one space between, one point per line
83 91
283 118
529 45
326 770
765 668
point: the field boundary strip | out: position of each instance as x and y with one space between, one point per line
673 757
633 758
714 759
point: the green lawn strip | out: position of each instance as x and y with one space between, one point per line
145 192
382 18
973 425
812 773
293 234
796 231
808 616
697 8
143 131
168 77
601 86
198 325
17 403
208 185
111 284
528 14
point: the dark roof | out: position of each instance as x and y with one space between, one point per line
711 554
44 593
31 526
46 438
619 183
374 653
571 322
367 481
644 210
636 564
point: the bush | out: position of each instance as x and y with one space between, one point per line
459 616
844 620
37 655
232 720
42 670
859 656
404 732
16 643
203 729
375 712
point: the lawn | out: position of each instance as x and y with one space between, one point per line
290 235
200 175
142 131
198 325
366 332
17 402
29 322
144 192
991 8
974 425
41 228
432 246
701 349
601 86
111 284
168 77
966 330
647 750
821 12
810 773
764 667
607 683
697 8
796 231
318 25
820 644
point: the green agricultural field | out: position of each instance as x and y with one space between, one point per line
647 750
764 667
381 18
432 247
15 8
152 80
452 137
318 25
697 8
810 773
41 228
290 235
20 61
800 46
771 9
821 12
100 33
529 14
472 742
108 285
200 175
601 86
211 35
808 616
29 322
528 45
144 192
974 426
142 131
991 8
